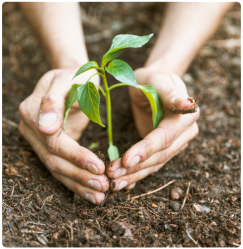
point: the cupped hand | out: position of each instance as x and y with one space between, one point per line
42 116
158 145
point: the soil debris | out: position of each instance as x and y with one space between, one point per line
215 74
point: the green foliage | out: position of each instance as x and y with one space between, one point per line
124 41
122 72
156 106
86 67
89 98
113 152
110 56
72 95
89 101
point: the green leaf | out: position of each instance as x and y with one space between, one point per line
124 41
89 100
110 56
129 41
72 95
156 105
86 67
122 72
113 152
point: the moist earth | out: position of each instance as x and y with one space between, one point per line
38 211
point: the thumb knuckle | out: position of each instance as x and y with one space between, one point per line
49 98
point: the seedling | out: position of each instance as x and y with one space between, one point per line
88 96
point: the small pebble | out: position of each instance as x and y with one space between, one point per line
175 205
176 193
233 198
198 207
228 145
206 209
167 227
206 174
226 167
201 208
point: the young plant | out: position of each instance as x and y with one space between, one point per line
88 96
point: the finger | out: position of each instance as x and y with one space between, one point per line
65 147
180 143
169 86
127 180
165 155
61 167
159 139
130 186
87 193
124 181
61 145
172 92
52 106
115 169
30 107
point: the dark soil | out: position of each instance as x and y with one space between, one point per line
39 211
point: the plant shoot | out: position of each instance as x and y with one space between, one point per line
88 96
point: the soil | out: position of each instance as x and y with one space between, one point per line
38 211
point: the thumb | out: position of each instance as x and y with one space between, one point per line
170 88
172 91
51 113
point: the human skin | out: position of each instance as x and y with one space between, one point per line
42 112
178 42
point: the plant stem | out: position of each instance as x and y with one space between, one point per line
101 89
116 85
108 108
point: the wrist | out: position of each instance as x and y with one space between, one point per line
67 61
172 60
163 66
182 37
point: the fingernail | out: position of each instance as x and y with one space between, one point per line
92 168
131 186
90 197
178 98
122 185
120 172
134 161
47 119
94 184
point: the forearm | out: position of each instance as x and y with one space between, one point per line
59 31
187 26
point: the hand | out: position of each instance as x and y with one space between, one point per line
158 145
42 116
